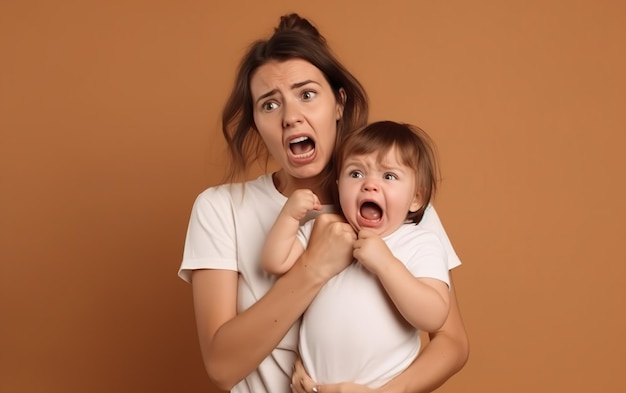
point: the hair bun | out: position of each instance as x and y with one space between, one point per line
295 23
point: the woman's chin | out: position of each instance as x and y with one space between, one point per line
306 172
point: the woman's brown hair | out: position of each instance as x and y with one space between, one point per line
295 37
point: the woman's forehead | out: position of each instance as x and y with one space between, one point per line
284 75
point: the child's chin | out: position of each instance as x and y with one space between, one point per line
374 226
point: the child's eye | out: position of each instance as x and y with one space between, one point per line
356 174
308 95
390 176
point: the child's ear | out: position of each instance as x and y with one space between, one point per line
416 203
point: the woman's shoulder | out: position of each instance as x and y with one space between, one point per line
238 192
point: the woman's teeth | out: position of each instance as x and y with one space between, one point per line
302 147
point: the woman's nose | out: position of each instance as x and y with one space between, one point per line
291 115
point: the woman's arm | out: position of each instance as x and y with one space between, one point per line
443 357
232 344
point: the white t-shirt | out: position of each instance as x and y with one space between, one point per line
352 331
227 228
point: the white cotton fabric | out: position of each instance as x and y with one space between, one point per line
226 230
352 331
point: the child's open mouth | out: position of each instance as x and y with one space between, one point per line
370 211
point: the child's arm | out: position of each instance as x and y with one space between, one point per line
282 248
423 302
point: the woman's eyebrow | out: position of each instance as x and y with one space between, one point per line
293 86
303 83
268 94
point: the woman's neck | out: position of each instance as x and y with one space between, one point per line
286 185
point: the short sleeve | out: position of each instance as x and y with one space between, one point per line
432 223
428 259
210 241
304 233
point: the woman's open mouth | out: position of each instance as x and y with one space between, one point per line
302 147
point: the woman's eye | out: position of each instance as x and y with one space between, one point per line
269 106
308 95
390 176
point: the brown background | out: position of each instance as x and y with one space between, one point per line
109 129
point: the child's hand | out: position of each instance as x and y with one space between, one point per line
300 203
371 251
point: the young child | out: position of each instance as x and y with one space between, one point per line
364 324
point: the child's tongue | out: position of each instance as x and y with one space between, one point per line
370 211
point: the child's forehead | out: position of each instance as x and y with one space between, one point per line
386 158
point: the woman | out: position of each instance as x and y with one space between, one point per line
293 100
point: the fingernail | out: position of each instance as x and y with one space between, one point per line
314 389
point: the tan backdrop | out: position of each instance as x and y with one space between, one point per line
109 129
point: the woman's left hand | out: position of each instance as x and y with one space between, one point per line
346 387
301 382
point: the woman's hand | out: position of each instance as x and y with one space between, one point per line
302 383
300 380
330 248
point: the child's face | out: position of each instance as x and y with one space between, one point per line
377 194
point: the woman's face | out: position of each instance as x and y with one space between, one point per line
296 113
